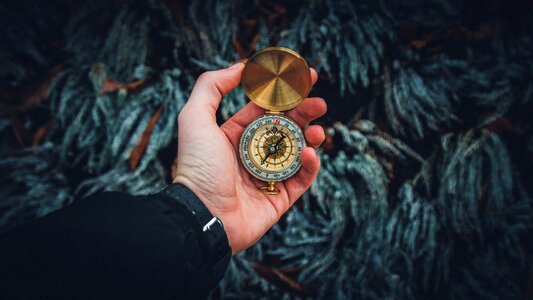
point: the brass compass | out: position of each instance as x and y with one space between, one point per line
276 79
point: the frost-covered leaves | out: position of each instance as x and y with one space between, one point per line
414 105
363 184
213 28
438 242
123 41
102 130
474 174
126 37
121 178
343 39
483 214
33 184
96 127
99 127
394 254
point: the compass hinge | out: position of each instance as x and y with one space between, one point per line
274 112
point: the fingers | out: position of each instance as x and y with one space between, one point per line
245 116
299 183
310 108
235 125
314 135
314 75
210 88
307 111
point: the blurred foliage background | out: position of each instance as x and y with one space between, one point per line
425 188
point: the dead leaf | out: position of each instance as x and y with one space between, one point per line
41 133
177 12
246 38
412 33
277 277
482 198
137 152
502 126
274 14
25 97
110 85
22 135
390 172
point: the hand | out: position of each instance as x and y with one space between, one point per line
209 165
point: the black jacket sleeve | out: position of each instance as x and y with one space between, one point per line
111 245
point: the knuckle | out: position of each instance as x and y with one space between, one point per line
305 112
205 76
182 116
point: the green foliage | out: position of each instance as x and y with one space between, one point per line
213 40
423 191
413 105
33 185
346 40
114 122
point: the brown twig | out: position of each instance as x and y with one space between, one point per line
25 97
278 277
137 152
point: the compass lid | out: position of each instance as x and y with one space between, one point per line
276 78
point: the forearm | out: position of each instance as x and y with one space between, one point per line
112 244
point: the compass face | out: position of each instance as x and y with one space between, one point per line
270 147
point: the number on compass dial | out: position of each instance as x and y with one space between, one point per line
270 147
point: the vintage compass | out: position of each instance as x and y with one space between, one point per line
276 79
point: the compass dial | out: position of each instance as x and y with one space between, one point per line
270 147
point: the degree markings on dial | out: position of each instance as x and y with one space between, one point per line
277 167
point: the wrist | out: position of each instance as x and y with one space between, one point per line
208 229
215 204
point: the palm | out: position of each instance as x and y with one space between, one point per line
208 163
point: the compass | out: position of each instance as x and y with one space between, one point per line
276 79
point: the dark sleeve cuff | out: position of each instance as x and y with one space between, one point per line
208 229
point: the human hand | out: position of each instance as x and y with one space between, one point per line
208 161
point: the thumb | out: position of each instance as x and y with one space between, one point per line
209 89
